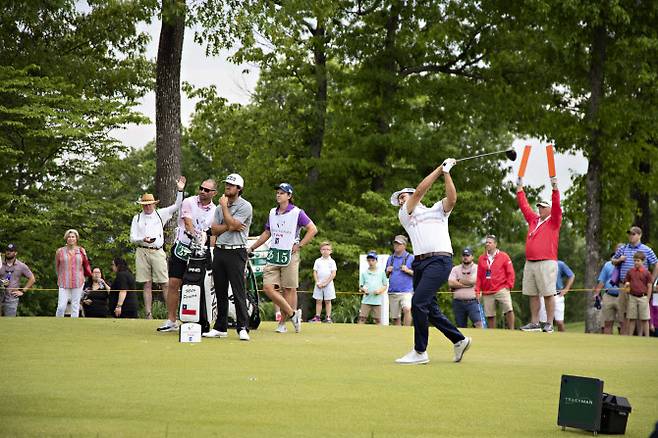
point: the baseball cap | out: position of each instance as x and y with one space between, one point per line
11 247
401 239
467 252
285 187
543 203
394 196
371 255
235 179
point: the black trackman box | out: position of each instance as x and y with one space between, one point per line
614 414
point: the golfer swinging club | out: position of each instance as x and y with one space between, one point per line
428 229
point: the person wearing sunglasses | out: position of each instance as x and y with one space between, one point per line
194 218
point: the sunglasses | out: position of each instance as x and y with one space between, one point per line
631 233
205 189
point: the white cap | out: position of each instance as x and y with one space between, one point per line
235 179
394 196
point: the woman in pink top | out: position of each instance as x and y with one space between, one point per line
70 274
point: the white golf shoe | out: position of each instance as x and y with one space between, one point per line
215 334
244 335
413 358
461 347
281 328
296 319
168 326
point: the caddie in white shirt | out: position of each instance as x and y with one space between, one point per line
147 232
283 228
428 229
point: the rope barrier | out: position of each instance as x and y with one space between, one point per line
37 289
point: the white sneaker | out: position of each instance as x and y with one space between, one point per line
461 347
168 326
215 334
413 358
281 328
244 335
296 319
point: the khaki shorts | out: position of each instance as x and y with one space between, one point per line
503 296
366 309
397 302
611 309
286 277
151 265
623 303
539 277
638 308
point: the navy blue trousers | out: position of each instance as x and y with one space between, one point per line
429 276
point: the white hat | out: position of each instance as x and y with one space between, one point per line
235 179
394 196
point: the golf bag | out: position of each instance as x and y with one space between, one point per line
251 292
198 301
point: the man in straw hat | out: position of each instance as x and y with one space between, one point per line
147 232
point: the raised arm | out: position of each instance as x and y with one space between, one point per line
426 184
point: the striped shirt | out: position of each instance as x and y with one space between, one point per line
629 250
70 274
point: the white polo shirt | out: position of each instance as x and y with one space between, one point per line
427 228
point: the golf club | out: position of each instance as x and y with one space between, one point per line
510 153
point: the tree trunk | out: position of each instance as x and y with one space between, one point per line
167 101
593 182
320 104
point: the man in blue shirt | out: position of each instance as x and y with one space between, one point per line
624 258
611 307
561 289
401 278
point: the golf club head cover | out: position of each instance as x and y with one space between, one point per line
448 163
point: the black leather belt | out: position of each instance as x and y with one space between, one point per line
148 247
427 255
467 300
230 246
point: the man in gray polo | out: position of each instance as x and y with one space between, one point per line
231 224
11 272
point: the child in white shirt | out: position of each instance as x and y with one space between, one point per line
324 272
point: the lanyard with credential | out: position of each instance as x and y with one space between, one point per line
491 260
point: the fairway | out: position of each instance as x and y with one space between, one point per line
95 377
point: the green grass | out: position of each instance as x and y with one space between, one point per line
100 378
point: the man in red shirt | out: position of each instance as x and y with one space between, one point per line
638 284
540 270
495 279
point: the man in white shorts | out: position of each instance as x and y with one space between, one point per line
561 289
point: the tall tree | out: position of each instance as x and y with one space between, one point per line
168 98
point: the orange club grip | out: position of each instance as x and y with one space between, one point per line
524 160
550 159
